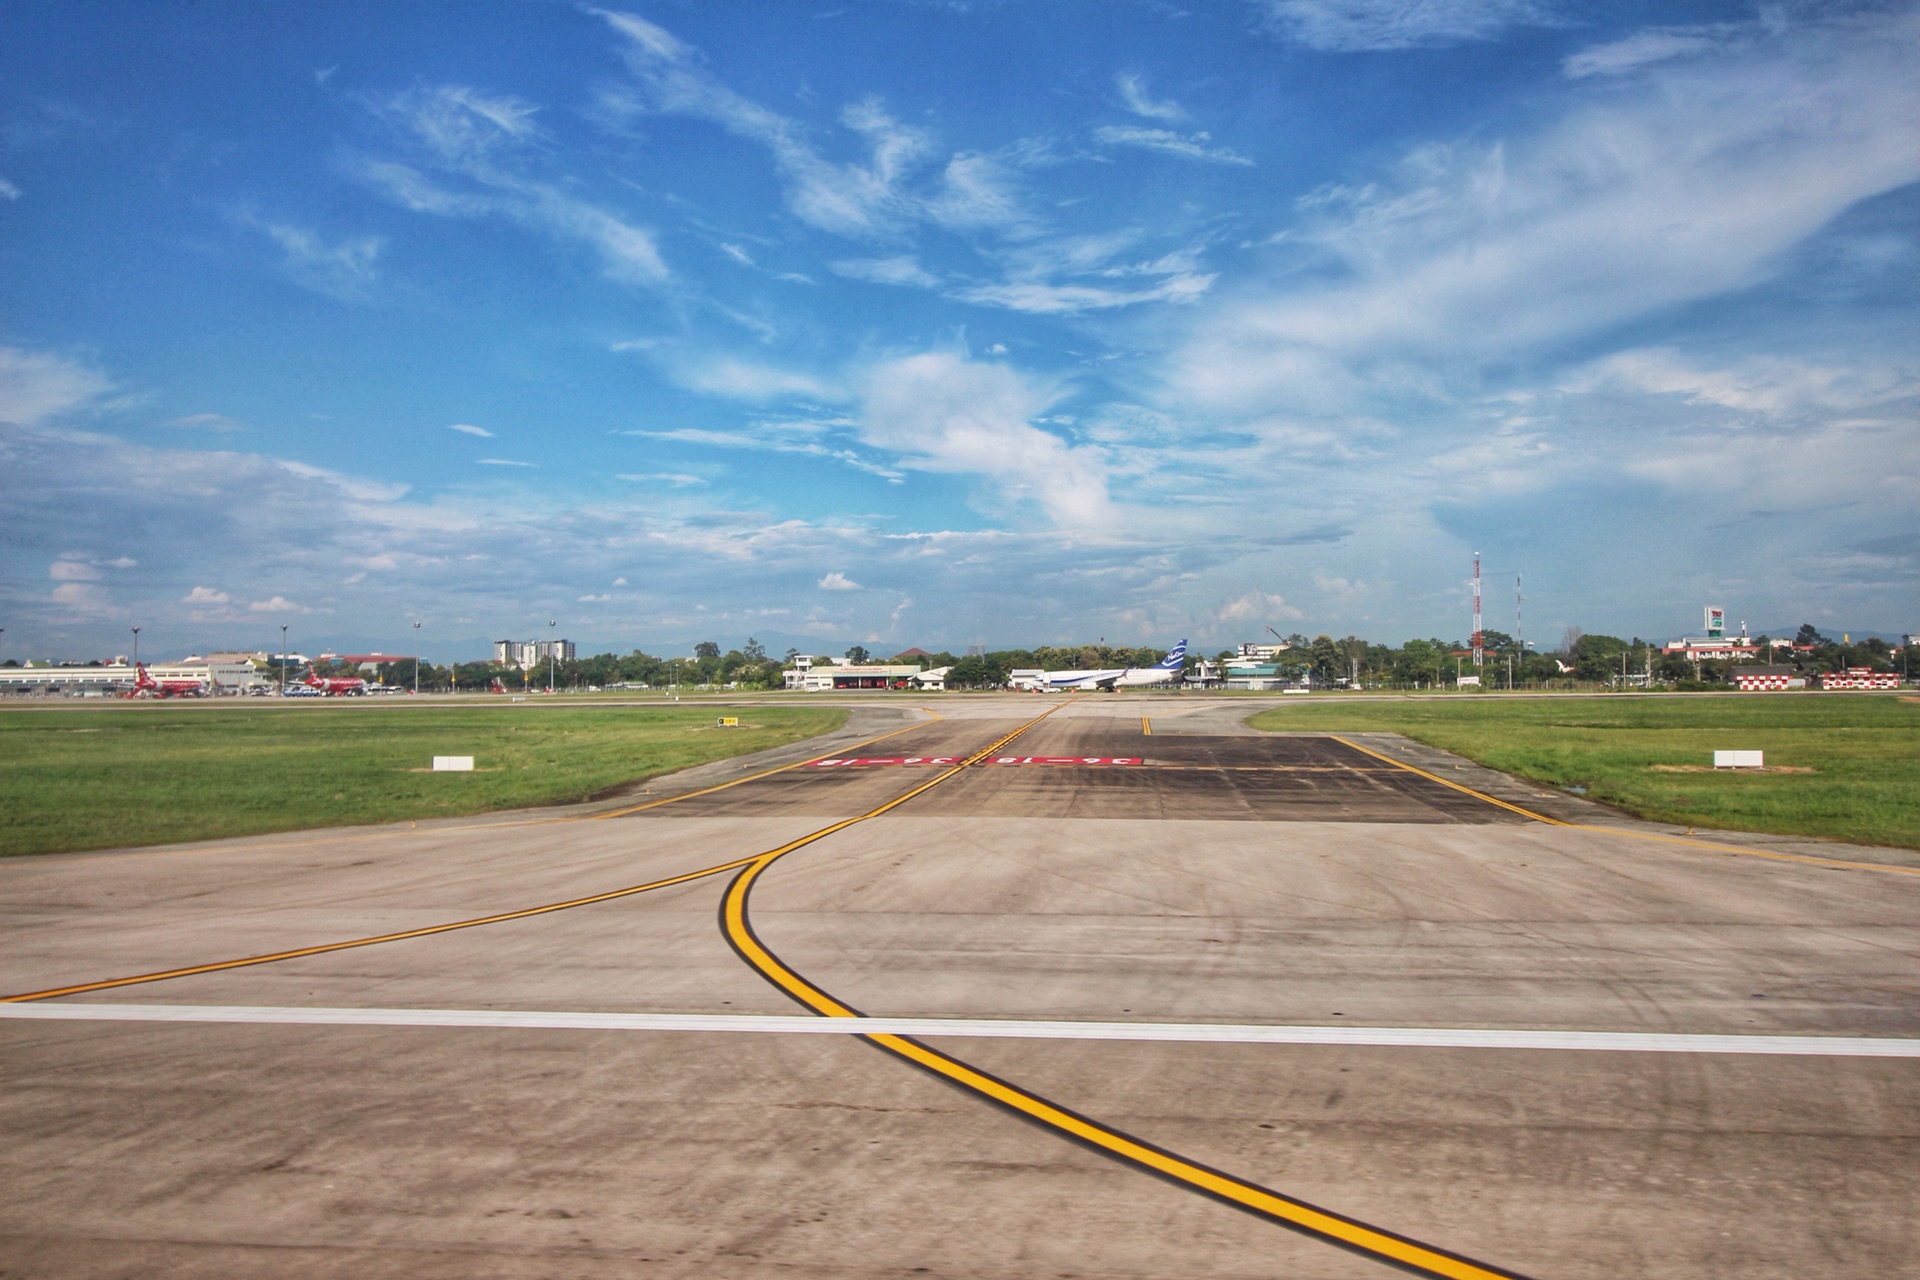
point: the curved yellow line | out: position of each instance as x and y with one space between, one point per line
1296 1214
1715 846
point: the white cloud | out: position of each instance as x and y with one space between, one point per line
1193 146
904 270
1643 49
678 480
1346 26
72 571
277 604
742 380
738 254
1775 386
36 386
1133 92
1681 184
943 413
504 462
480 139
206 595
8 191
837 581
1065 299
207 422
467 428
343 269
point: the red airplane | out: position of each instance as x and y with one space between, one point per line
496 686
335 686
145 686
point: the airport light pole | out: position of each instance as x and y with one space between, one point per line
136 647
416 658
551 624
282 664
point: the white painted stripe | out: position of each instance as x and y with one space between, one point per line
1190 1032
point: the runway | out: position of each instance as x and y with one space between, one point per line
1402 978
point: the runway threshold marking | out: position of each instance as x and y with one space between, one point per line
1264 1202
982 1028
1714 845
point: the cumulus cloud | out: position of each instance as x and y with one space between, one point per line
1256 606
73 571
940 412
837 581
277 604
206 595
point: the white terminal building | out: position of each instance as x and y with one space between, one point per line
526 653
224 673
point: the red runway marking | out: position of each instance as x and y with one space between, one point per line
864 761
1107 760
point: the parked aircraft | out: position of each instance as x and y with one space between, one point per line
335 686
145 686
1166 671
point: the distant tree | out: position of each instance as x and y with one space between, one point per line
976 673
706 649
858 655
755 651
1326 657
792 653
1808 635
1570 642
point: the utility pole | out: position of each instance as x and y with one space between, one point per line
136 647
282 664
551 624
416 658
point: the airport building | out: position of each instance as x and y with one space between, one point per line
526 653
222 677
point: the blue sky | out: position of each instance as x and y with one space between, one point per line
944 323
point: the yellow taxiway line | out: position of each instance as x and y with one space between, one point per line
188 971
1715 846
1298 1215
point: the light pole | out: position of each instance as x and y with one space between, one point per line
551 624
136 648
416 658
283 660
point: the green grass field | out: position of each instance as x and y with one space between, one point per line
88 778
1850 763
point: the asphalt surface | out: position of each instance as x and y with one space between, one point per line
1093 870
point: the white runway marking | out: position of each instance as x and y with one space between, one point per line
1203 1033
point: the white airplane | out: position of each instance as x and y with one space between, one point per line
1166 671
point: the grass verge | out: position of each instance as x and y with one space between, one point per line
86 778
1849 764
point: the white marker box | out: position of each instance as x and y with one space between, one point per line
1739 759
453 764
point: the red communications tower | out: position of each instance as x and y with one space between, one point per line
1479 632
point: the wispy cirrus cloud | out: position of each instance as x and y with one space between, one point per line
1134 95
1351 26
38 385
468 429
207 422
343 269
487 142
1192 146
1688 181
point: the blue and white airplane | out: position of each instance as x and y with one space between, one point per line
1166 671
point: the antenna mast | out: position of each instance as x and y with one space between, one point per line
1479 649
1519 627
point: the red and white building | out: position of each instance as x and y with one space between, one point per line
1860 678
1768 679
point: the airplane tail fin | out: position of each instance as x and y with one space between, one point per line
1176 657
